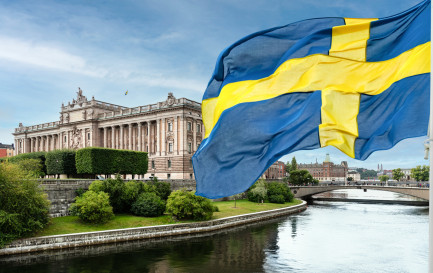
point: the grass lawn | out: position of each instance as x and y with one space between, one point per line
71 224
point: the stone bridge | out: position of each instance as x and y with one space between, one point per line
308 191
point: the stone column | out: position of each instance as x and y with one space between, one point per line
112 137
149 150
194 135
130 136
139 144
31 145
175 132
163 139
122 146
158 138
183 138
105 137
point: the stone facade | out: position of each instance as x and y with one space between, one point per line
356 176
170 131
275 171
328 171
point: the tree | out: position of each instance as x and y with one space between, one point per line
23 204
349 179
421 173
301 177
366 174
257 192
292 166
397 174
383 178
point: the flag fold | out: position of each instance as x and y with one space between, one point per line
360 85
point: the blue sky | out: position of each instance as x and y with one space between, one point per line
50 48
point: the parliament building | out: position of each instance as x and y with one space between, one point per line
170 131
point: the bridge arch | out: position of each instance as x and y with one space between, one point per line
308 191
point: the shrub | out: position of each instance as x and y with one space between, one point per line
61 162
115 189
148 204
276 198
31 167
257 192
95 160
35 155
186 205
23 205
93 207
130 193
162 189
97 186
80 191
277 188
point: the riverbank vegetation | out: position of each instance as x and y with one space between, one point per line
72 224
23 205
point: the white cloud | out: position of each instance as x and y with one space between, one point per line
44 56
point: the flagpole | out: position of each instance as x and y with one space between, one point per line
430 136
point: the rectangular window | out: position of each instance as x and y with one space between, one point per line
168 176
170 127
189 147
88 136
65 138
198 128
190 176
153 164
169 163
189 126
170 147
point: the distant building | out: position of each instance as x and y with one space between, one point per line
407 175
355 175
6 150
275 171
327 171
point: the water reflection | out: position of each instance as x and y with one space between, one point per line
327 237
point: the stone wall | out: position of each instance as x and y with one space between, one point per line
120 235
62 193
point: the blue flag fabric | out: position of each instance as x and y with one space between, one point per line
360 85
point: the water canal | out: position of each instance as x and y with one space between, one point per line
327 237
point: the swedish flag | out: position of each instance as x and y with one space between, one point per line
360 85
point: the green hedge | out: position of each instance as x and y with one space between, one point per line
35 155
61 162
94 160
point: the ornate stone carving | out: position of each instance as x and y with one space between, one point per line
66 117
76 139
90 114
169 101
